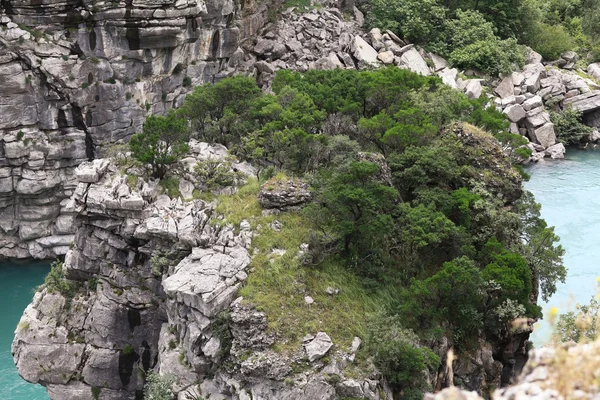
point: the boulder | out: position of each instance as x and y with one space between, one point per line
363 52
413 60
439 63
386 57
449 76
532 103
544 135
556 151
318 347
505 88
533 73
473 88
515 112
532 57
594 70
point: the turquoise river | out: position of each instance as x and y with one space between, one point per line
17 284
568 190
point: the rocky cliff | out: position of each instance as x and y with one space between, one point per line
151 284
77 76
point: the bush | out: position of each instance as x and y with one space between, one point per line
550 40
214 174
569 128
492 56
55 281
162 142
159 387
398 356
579 325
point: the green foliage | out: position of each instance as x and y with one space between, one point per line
568 126
159 387
399 357
550 40
221 329
540 248
213 174
162 142
579 325
493 56
96 392
56 282
128 349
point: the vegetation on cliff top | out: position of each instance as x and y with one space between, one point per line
486 34
417 219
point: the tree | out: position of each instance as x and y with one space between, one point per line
539 247
162 142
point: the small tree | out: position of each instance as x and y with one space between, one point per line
162 142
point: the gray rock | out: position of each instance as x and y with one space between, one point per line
544 135
413 60
386 57
363 52
515 112
594 70
532 103
505 88
318 347
556 151
533 74
473 88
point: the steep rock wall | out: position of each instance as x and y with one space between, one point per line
133 307
78 76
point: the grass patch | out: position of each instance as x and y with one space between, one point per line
170 187
277 285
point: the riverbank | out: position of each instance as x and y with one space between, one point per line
17 285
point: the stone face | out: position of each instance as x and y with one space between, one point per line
363 52
505 88
544 135
515 112
413 60
318 347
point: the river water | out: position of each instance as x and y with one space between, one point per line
569 192
17 285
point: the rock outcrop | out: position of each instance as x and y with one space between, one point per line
151 284
77 78
566 371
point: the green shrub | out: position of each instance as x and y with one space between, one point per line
550 40
399 357
568 126
55 281
187 81
213 174
178 69
490 56
162 142
159 387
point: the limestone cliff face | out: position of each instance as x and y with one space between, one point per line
149 277
77 76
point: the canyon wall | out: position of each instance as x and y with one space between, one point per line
78 76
